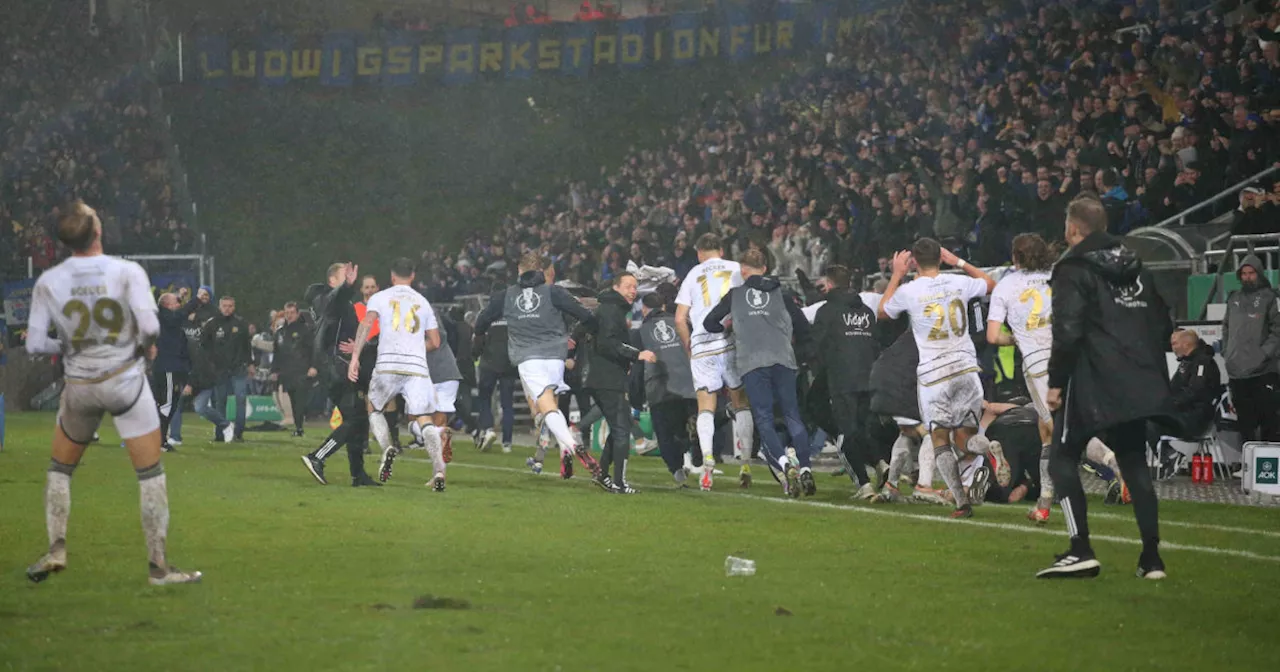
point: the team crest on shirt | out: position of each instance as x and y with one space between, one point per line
757 299
663 332
528 301
1129 296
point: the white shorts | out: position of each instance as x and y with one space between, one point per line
905 422
419 394
1038 388
951 403
712 372
126 396
446 396
540 375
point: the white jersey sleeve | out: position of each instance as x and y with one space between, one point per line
142 301
998 311
897 303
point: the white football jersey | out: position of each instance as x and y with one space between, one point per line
701 291
1025 301
939 312
96 304
404 316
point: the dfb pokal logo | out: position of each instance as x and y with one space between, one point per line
1268 471
528 301
757 299
663 332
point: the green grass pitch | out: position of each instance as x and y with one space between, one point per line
559 576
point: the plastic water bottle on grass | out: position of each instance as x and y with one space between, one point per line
739 567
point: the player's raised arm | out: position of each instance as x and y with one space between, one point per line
900 260
949 258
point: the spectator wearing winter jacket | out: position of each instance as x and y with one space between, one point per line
293 367
1250 345
225 339
173 360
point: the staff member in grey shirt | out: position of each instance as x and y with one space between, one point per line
766 326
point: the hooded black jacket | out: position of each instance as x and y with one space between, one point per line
893 379
1196 386
844 343
1110 330
611 353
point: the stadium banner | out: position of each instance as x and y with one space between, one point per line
17 301
256 409
577 49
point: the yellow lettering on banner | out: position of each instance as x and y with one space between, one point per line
306 63
399 60
632 48
548 54
490 57
519 55
683 47
208 73
249 69
783 34
429 54
606 49
462 58
844 31
275 63
657 46
368 61
708 42
764 38
576 45
737 38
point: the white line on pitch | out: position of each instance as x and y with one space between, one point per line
977 523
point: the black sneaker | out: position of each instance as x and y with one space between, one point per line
566 466
168 447
364 480
316 467
1114 491
604 482
622 489
1151 567
296 433
965 511
1069 565
981 485
437 483
807 485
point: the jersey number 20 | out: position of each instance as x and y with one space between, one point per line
953 313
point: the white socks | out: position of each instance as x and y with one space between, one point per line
431 439
57 503
744 429
154 497
1098 451
1046 482
559 428
926 463
706 434
899 458
381 431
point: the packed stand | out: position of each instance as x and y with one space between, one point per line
75 123
960 122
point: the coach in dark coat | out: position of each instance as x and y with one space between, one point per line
1107 377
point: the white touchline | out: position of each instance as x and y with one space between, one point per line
980 523
1198 526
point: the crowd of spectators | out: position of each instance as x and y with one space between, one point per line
967 121
75 123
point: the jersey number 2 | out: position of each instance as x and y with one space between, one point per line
106 312
1037 319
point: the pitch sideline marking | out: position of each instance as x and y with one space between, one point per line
977 523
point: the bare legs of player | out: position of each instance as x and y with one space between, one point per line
549 407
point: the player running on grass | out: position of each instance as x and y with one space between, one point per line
407 329
949 389
106 318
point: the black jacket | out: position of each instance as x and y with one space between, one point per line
294 353
1196 386
893 379
172 353
492 343
844 344
462 352
202 376
1110 330
611 354
225 340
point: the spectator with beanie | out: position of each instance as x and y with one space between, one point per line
1107 376
1250 344
608 372
225 338
844 343
293 367
766 327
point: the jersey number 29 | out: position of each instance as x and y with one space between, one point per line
106 313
